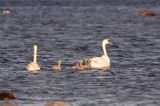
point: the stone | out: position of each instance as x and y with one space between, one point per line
7 96
57 103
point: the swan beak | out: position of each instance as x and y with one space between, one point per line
109 42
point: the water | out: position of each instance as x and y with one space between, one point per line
73 30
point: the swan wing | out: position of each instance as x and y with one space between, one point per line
99 62
106 59
33 67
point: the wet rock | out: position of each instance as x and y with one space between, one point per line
148 13
57 103
5 12
7 96
9 104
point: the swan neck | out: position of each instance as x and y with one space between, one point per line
35 54
104 48
59 64
81 63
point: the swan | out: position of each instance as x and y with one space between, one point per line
79 66
88 63
33 66
76 66
57 67
102 62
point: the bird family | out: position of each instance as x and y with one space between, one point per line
102 63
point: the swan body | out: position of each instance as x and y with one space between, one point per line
57 67
100 62
33 66
103 61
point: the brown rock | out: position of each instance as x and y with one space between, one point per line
57 103
5 12
148 13
8 104
7 96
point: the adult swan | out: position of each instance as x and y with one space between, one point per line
33 66
102 62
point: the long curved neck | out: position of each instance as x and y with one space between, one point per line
35 54
104 48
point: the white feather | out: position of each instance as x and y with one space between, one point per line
103 61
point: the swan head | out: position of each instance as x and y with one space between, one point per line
59 61
107 41
81 62
35 46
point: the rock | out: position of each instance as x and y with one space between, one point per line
8 104
57 103
5 12
148 13
7 96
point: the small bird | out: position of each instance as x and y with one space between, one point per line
80 67
76 66
58 66
88 63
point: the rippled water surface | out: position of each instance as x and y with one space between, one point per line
73 31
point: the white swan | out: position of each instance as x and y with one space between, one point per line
102 62
33 66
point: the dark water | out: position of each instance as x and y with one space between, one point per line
73 30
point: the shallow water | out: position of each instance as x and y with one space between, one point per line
74 30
